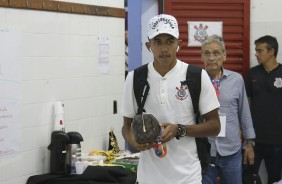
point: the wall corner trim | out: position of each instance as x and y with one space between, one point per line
64 7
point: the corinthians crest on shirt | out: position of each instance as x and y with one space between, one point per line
181 92
278 82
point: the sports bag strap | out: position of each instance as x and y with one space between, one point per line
141 86
143 98
193 81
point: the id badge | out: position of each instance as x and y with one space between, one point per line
222 118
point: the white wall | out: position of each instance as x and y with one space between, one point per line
59 62
266 19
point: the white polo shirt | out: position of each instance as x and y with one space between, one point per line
170 102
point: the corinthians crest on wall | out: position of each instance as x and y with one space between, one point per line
198 31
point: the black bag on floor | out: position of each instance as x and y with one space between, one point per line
248 175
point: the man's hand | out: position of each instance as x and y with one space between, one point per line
249 155
170 131
140 147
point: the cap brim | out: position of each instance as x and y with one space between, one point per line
162 32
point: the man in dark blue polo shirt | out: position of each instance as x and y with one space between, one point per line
264 90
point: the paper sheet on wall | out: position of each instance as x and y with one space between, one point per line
198 31
11 94
103 54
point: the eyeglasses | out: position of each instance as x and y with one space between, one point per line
214 54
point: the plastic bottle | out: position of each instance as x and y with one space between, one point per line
59 116
72 168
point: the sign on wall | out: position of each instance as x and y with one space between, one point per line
103 53
198 31
11 95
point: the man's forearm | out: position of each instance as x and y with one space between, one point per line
126 130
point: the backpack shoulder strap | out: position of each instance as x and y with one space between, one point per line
193 81
141 86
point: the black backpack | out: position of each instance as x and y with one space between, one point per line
193 81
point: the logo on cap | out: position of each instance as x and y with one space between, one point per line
163 24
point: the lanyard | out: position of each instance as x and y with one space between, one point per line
216 84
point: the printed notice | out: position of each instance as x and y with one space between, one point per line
103 54
11 95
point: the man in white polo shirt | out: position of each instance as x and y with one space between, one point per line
171 104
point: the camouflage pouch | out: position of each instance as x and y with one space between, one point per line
146 128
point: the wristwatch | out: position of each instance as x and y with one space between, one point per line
250 141
181 131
